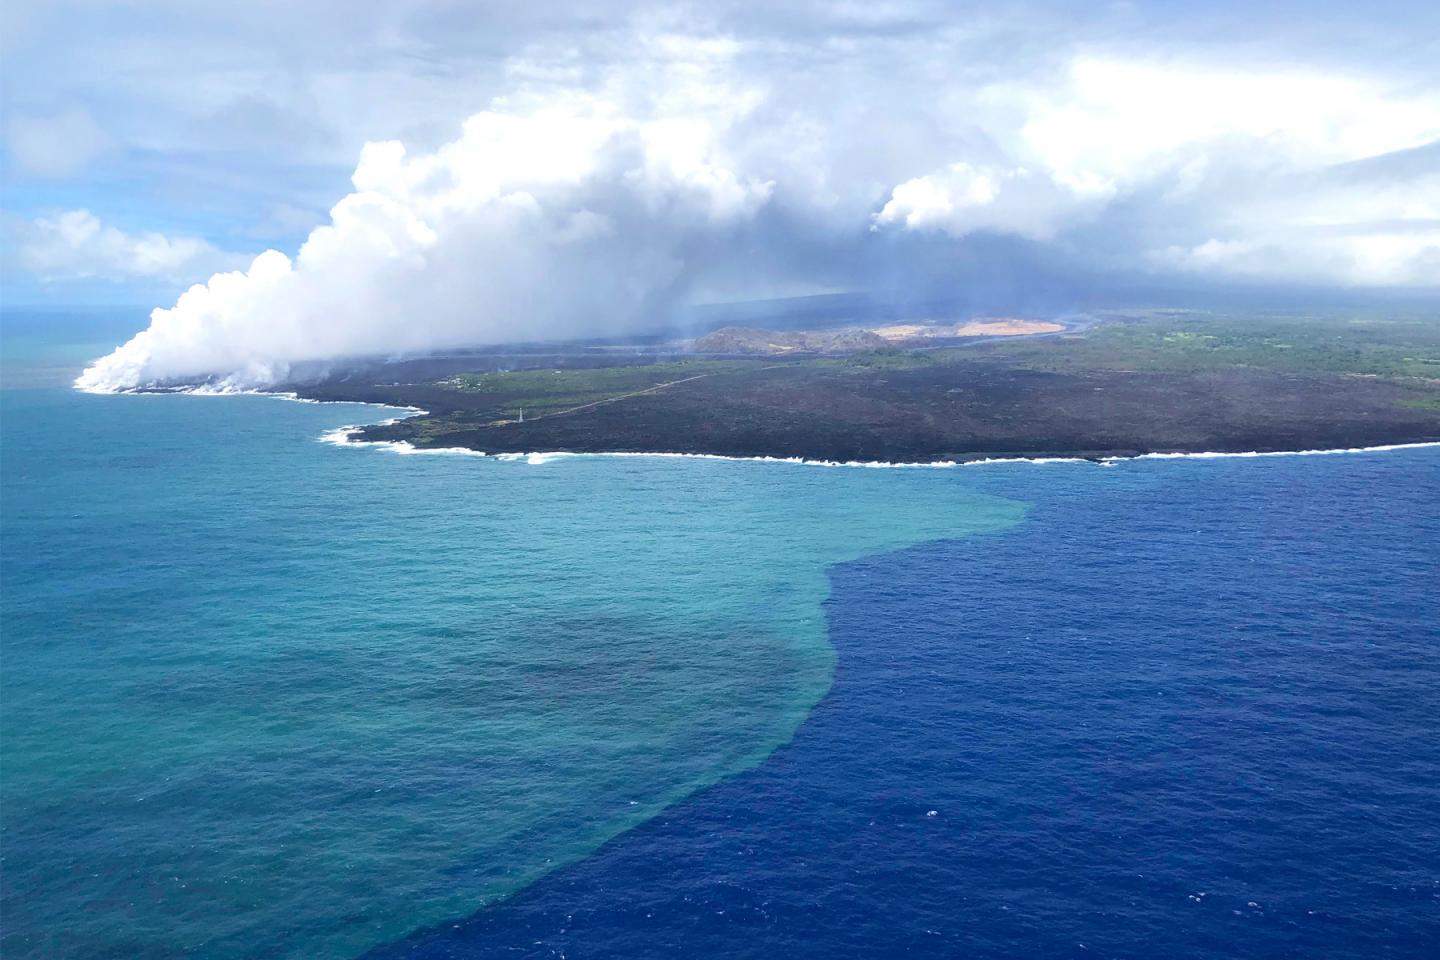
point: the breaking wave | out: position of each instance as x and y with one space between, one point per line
344 436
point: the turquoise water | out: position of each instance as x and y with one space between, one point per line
264 696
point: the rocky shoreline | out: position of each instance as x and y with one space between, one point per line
946 413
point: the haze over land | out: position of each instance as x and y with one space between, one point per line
541 174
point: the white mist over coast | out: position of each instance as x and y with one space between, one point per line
594 202
561 222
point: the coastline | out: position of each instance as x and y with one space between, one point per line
349 436
931 415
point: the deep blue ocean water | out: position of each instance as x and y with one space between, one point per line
268 697
1189 709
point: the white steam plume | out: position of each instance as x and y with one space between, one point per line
688 168
553 223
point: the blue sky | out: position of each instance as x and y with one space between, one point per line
584 167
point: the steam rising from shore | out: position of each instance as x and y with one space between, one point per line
526 227
592 210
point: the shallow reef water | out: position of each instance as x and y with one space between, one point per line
264 696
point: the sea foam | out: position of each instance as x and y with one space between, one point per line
344 437
1218 454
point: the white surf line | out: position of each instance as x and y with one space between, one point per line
343 437
547 457
1218 454
206 391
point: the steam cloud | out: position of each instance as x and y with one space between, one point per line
592 211
550 224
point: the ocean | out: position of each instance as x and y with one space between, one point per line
267 696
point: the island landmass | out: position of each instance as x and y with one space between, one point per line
1109 385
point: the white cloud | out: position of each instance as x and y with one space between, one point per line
1114 127
1121 121
1244 155
963 199
564 220
76 245
618 169
1365 260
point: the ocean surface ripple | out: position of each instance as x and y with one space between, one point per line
1191 709
263 697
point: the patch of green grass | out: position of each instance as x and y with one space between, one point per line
1422 403
1408 347
1395 348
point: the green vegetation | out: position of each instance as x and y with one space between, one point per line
1393 348
1404 350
